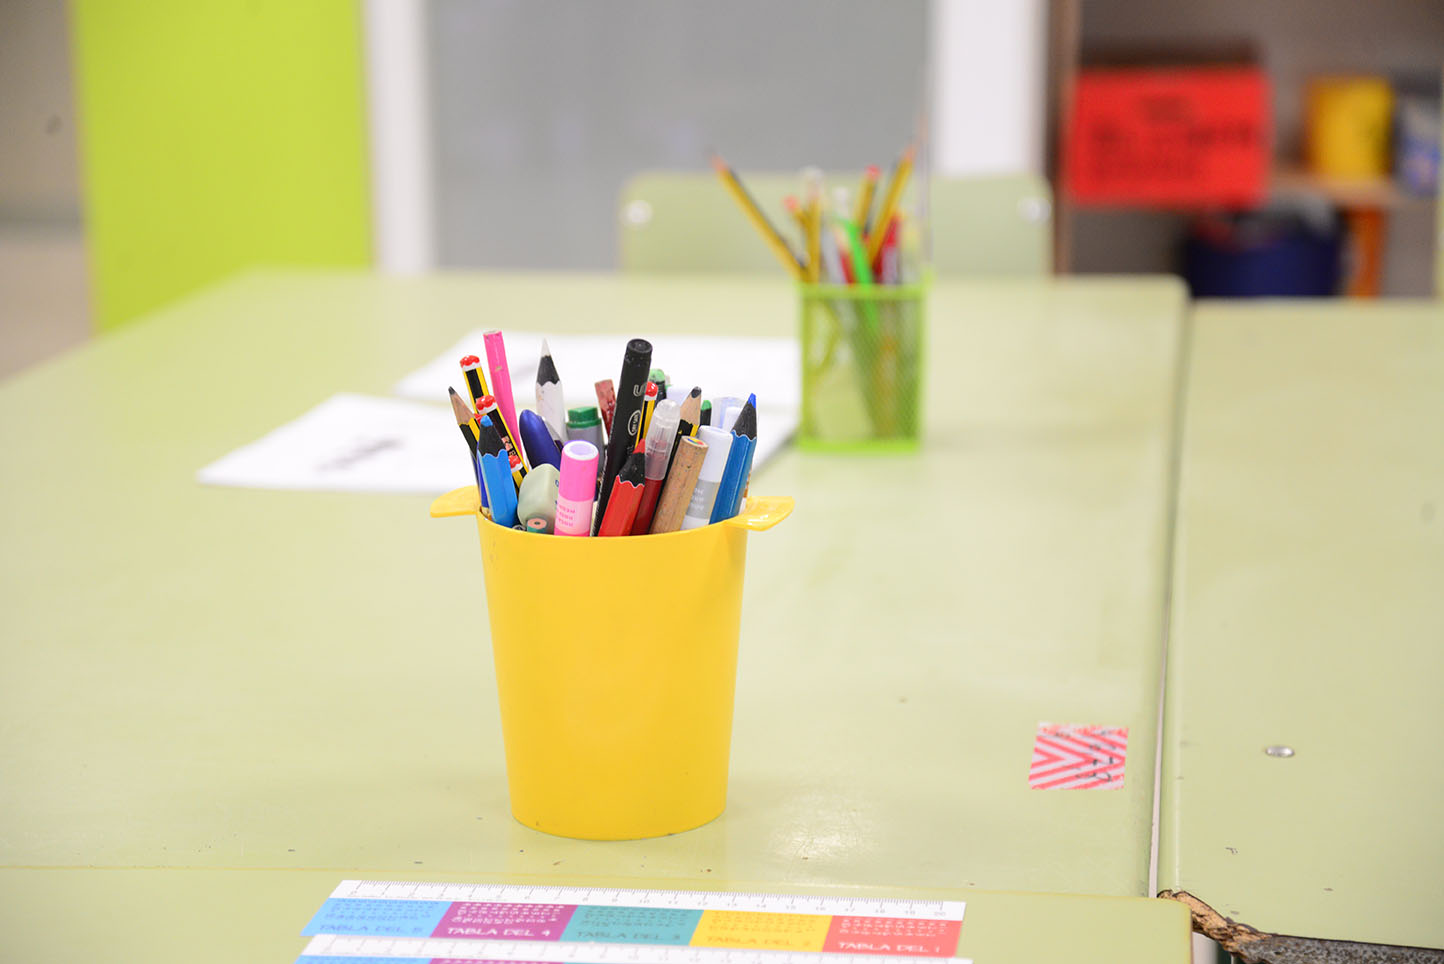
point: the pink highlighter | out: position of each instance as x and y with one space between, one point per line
576 489
500 378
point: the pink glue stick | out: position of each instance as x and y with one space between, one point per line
577 489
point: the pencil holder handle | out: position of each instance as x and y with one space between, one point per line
762 513
462 501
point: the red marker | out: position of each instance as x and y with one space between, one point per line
625 498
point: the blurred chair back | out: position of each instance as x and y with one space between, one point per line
671 221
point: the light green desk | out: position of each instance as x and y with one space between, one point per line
1308 612
228 679
257 915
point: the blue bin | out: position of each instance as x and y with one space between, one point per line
1262 254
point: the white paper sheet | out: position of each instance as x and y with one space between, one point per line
353 443
771 367
359 443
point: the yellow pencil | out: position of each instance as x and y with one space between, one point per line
812 200
795 210
889 203
759 220
864 197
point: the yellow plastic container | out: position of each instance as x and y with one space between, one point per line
616 701
1349 120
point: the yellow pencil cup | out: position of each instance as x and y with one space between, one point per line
616 663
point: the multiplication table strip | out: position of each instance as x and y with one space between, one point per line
404 921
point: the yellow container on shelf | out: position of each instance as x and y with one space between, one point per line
616 701
1348 125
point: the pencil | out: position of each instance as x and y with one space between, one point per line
812 204
764 227
549 404
889 203
473 439
688 417
677 490
475 380
864 196
794 210
814 240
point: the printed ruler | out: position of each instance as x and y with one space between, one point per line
567 925
332 947
945 910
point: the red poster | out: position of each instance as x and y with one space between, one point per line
1169 137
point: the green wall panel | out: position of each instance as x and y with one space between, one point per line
216 136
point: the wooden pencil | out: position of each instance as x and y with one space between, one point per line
677 490
688 416
764 227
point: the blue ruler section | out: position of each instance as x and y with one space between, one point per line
377 918
632 925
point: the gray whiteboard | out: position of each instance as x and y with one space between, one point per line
543 108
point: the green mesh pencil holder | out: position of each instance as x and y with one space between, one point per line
862 367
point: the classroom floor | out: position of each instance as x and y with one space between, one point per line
44 293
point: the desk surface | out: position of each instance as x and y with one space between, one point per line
244 916
1309 612
222 678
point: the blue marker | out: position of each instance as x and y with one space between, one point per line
541 448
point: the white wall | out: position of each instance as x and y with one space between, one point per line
989 77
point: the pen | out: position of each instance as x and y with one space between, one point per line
660 377
576 486
660 439
549 404
500 378
541 448
705 416
636 362
720 407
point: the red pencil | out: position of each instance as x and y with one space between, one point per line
625 498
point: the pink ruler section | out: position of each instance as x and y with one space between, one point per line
893 935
